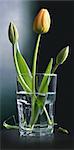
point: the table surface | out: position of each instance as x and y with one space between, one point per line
10 140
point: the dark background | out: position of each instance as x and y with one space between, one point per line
60 35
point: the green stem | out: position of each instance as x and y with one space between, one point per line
54 68
49 120
10 126
63 130
33 79
34 63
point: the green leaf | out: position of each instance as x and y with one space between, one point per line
35 115
40 100
23 71
44 84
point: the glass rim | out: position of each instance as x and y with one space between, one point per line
45 74
37 93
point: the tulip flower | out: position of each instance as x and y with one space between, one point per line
61 57
63 54
13 33
42 22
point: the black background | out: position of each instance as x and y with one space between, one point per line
60 35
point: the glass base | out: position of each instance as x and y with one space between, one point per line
37 131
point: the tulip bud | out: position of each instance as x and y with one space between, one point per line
13 33
63 54
42 22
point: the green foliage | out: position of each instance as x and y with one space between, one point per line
40 100
23 71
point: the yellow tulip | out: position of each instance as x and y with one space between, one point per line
42 22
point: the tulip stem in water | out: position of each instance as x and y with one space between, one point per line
33 75
48 118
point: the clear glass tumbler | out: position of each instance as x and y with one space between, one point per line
36 108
